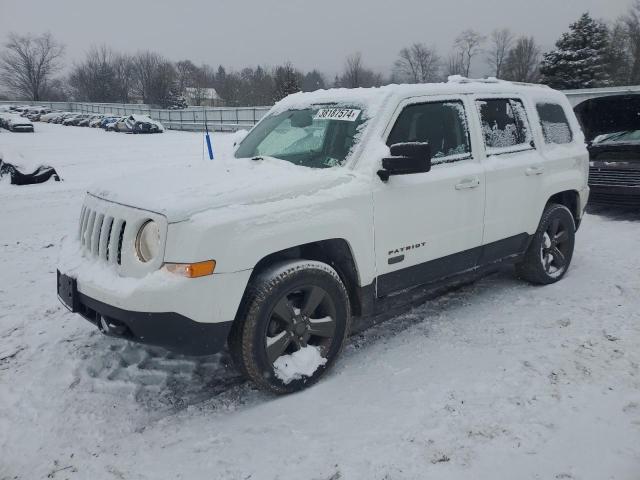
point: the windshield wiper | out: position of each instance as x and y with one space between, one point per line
614 136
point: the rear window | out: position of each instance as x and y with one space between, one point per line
554 123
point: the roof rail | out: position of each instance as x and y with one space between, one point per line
461 79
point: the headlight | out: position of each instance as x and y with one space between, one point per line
148 241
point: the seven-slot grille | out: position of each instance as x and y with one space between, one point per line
101 235
616 177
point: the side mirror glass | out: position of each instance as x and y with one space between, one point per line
406 158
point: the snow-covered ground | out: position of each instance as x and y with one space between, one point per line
497 380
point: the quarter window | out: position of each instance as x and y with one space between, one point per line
554 123
504 125
442 124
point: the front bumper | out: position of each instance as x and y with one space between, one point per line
170 330
615 195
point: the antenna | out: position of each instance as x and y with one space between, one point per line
206 135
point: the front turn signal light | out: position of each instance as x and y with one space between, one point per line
192 270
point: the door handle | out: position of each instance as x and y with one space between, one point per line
536 170
468 183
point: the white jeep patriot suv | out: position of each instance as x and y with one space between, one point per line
336 207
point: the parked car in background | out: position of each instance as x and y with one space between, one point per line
59 119
119 125
96 120
34 114
108 120
47 117
75 120
84 122
15 123
143 124
612 129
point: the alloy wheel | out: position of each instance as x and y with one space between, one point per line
305 316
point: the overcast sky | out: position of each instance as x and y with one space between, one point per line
311 34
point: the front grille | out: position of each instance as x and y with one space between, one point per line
107 234
614 177
101 235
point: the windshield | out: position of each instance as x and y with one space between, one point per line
625 136
317 137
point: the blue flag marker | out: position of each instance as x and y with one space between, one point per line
209 147
206 136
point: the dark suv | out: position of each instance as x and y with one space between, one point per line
612 128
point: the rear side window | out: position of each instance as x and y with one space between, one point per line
504 125
554 123
442 124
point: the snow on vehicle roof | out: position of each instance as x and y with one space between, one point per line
372 99
145 119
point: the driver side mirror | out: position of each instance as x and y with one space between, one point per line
238 136
406 158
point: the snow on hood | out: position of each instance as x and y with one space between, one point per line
179 193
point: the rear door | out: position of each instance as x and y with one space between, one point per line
429 225
514 170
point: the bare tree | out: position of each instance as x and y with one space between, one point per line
632 24
418 64
619 57
455 64
353 70
356 75
94 79
501 42
29 63
185 74
154 76
523 61
124 73
199 81
468 45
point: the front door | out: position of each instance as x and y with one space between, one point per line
429 225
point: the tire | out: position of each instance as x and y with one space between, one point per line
549 255
277 317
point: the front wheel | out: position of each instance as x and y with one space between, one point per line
548 257
292 326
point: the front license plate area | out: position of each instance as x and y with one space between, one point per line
68 291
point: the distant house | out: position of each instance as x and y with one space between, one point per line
207 97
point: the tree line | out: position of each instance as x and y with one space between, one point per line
592 53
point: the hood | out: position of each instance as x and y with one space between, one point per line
180 192
603 115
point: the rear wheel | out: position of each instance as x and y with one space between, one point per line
292 326
549 254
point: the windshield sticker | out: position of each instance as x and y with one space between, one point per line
345 114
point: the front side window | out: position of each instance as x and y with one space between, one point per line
504 125
319 137
441 124
554 123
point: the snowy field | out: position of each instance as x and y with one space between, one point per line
498 380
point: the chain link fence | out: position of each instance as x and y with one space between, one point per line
191 118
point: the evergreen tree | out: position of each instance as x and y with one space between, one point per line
312 81
175 100
580 57
286 80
